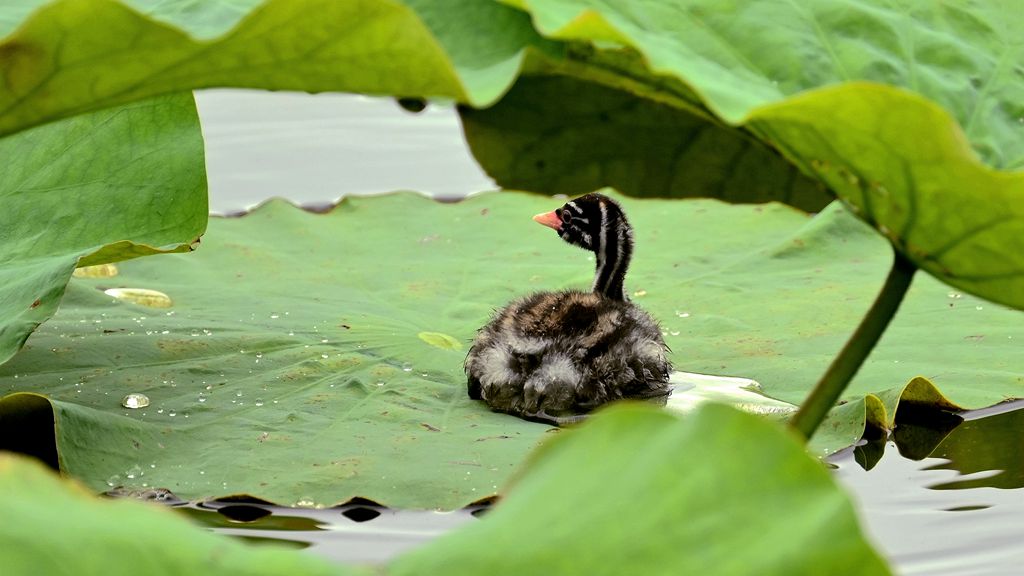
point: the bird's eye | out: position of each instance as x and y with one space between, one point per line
565 216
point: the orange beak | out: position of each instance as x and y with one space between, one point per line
549 219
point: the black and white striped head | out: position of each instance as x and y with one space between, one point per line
597 223
582 221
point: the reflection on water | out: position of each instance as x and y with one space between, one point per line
944 497
353 533
315 148
993 444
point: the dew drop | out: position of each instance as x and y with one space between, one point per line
275 316
955 295
133 472
674 332
172 413
258 402
406 367
114 480
135 400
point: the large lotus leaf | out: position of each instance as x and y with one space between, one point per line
903 166
97 188
749 62
54 527
535 138
744 55
76 55
641 492
311 358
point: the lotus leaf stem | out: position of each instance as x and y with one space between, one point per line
828 390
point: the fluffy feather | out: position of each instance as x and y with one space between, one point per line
554 356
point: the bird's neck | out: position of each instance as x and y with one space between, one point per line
614 249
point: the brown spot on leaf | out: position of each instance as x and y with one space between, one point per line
429 427
36 303
24 65
499 437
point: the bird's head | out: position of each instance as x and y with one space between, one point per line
591 222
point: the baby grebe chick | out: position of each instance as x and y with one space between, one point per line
554 356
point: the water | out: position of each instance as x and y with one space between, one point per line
314 149
941 501
357 533
949 504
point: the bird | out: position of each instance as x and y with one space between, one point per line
554 357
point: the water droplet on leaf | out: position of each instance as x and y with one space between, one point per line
135 400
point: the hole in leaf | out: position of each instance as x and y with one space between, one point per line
243 512
360 513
